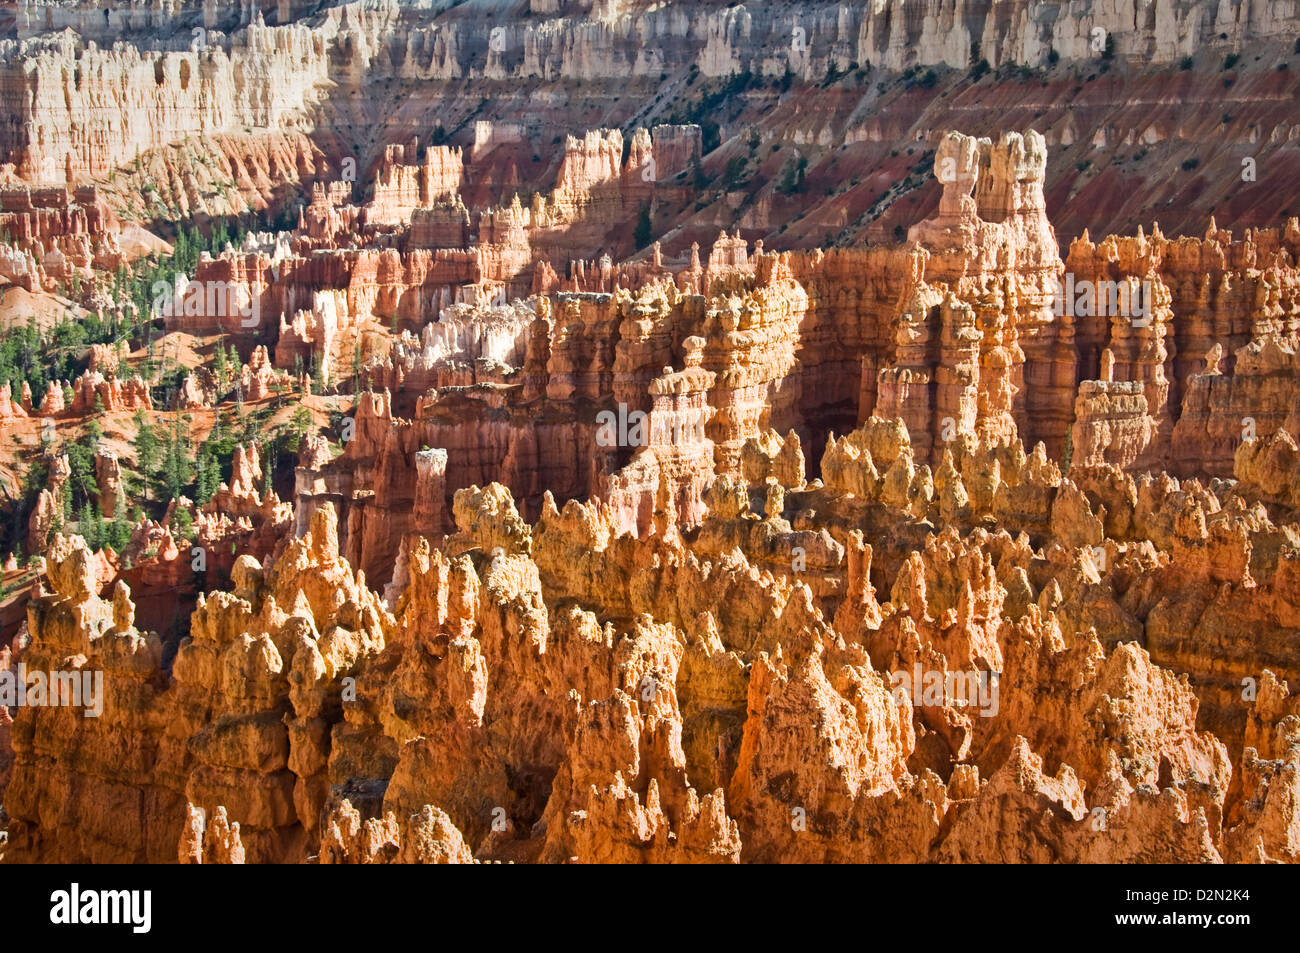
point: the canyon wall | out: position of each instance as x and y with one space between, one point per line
93 102
75 110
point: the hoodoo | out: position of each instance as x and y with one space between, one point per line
648 433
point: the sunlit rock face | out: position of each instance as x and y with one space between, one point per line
936 671
642 474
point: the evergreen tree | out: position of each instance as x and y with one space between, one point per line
270 458
317 375
121 285
173 470
181 250
81 486
118 532
182 523
234 365
301 423
219 367
214 473
209 476
146 448
643 233
91 523
177 464
83 524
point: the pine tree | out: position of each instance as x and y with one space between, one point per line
209 477
214 473
119 531
181 250
182 523
270 457
177 464
121 285
301 423
84 524
146 448
643 232
317 376
173 471
219 368
91 523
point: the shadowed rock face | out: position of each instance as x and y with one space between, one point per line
629 523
